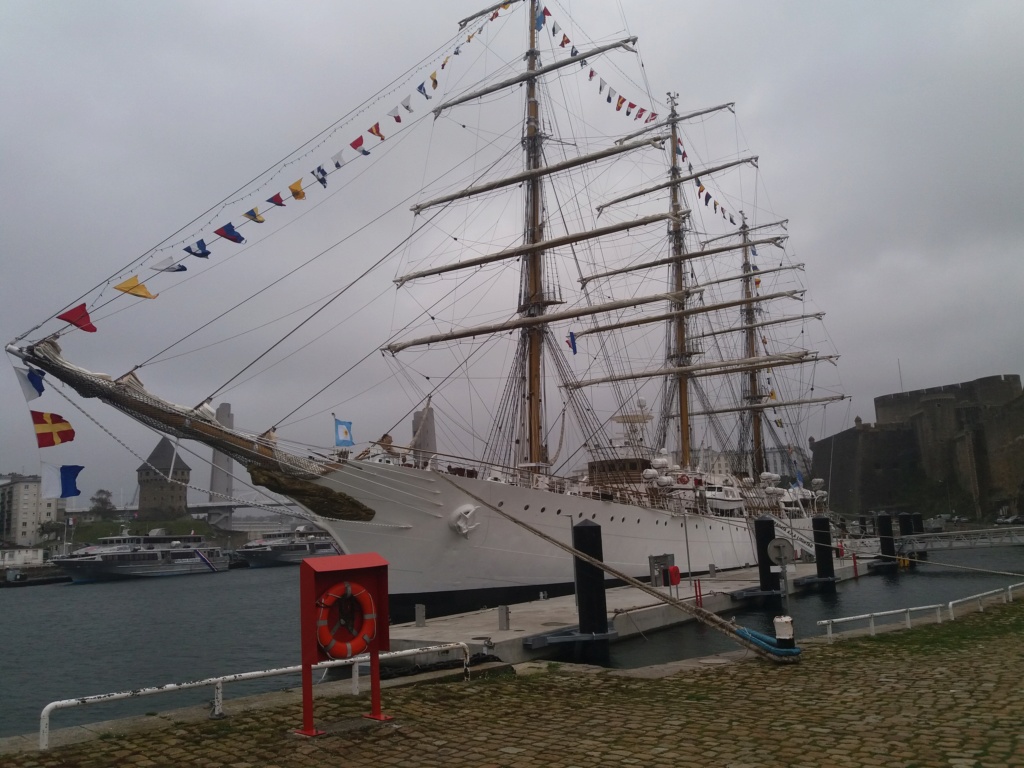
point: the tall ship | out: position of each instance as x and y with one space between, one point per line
136 556
587 312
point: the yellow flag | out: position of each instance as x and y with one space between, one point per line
296 190
254 215
135 288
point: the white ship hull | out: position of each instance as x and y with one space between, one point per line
440 542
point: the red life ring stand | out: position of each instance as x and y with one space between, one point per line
349 607
683 479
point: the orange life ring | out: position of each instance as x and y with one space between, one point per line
349 607
682 479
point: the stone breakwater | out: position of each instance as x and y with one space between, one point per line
937 695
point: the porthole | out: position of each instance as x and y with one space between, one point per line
593 516
638 521
558 511
579 514
542 509
526 507
501 503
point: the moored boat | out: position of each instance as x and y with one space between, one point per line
287 547
132 556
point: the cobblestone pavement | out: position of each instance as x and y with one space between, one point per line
945 695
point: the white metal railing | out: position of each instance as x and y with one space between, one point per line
1006 592
829 623
218 683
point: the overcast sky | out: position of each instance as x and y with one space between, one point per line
890 135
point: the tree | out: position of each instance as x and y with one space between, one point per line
102 505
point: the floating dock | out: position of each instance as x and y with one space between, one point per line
528 631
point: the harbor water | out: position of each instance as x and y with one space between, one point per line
67 640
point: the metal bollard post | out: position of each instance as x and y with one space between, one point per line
503 617
421 614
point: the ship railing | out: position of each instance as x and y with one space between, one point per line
217 705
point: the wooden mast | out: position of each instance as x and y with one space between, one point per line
753 396
532 297
681 356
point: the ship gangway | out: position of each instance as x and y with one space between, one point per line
968 539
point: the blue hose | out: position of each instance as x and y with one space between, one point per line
767 642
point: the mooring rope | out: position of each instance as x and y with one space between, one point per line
705 616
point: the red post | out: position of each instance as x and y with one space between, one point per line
375 714
855 574
697 594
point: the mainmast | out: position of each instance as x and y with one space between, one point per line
531 302
680 358
753 396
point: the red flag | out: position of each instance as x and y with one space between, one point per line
651 117
619 103
78 316
375 131
276 200
51 429
565 41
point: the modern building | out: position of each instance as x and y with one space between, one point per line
961 440
24 511
163 484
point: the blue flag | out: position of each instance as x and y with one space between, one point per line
343 433
60 482
31 382
199 249
571 341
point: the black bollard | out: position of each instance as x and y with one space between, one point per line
918 520
906 524
885 539
863 526
764 532
590 596
823 547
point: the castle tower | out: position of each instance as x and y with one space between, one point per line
160 498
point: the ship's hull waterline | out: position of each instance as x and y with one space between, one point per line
445 548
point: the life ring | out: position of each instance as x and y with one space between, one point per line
349 606
683 479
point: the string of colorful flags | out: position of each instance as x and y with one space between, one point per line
134 286
52 430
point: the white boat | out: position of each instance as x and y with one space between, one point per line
662 294
287 547
132 556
